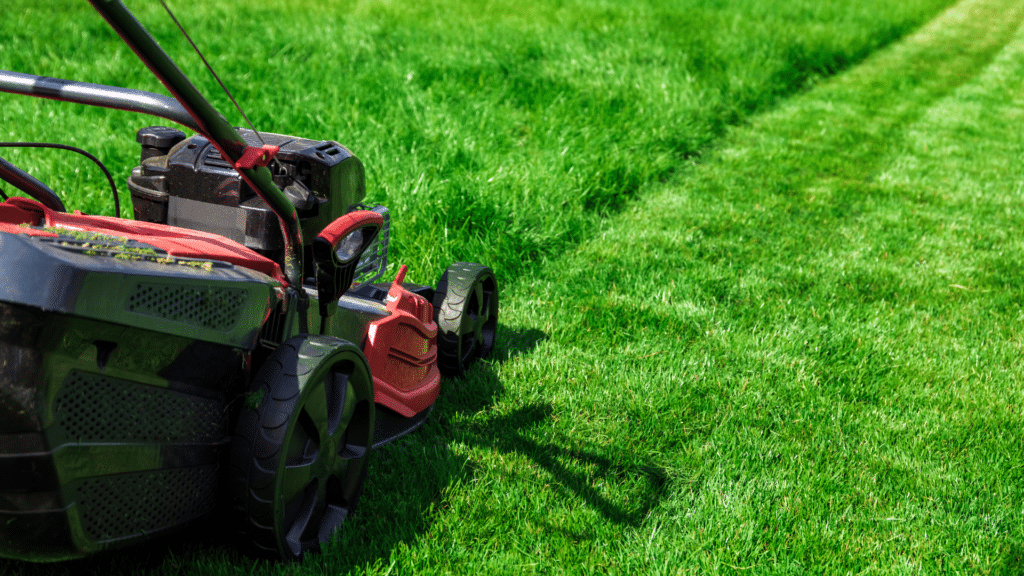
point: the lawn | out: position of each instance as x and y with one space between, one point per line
500 131
761 307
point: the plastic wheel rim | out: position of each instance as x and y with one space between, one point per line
479 321
319 475
300 454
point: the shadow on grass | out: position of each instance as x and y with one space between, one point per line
407 482
575 470
1011 560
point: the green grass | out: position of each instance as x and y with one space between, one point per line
501 131
798 354
814 331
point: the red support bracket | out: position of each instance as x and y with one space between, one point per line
253 156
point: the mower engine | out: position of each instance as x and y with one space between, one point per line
185 182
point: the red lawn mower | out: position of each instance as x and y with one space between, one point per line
230 342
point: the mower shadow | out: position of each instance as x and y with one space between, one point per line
408 479
573 468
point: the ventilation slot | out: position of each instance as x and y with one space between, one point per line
124 505
93 408
327 149
213 308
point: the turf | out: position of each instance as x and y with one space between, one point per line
815 330
795 355
506 129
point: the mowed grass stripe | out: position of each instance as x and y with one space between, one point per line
815 332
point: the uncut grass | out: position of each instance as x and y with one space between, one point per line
498 132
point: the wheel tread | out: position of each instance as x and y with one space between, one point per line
453 293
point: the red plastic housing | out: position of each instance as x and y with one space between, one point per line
402 352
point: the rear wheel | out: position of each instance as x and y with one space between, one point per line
302 443
466 311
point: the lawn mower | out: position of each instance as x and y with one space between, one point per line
231 348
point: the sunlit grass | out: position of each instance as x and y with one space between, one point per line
500 132
797 354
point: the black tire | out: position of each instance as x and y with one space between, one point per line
302 444
466 311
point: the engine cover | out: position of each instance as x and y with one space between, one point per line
185 182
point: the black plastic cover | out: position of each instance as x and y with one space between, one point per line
192 186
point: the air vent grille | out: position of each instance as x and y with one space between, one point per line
125 505
92 408
214 308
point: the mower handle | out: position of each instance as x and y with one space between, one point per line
97 95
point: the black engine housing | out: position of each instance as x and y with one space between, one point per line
185 182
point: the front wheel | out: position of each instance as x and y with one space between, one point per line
302 442
466 311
